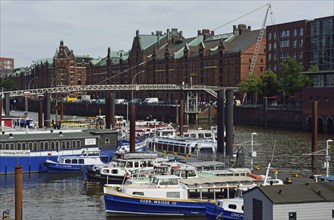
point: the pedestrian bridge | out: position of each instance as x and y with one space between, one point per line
212 90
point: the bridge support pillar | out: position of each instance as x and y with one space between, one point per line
47 109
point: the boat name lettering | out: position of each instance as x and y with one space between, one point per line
14 152
155 202
237 215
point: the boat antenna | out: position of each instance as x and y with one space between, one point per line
265 182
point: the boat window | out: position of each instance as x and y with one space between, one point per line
170 148
137 164
74 144
63 144
78 144
115 171
107 141
35 144
232 206
7 146
30 145
67 161
168 181
165 147
129 164
206 150
74 161
68 144
105 171
173 194
1 146
58 145
81 161
200 135
150 163
138 193
46 145
19 146
12 146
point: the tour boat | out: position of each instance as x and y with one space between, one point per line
73 164
31 148
118 170
168 195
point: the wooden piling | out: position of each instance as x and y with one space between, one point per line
18 192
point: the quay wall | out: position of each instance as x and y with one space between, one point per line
255 116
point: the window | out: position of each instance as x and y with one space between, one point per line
269 46
173 194
232 206
269 36
292 216
295 32
301 32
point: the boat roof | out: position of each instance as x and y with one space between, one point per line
215 180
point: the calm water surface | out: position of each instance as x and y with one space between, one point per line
56 197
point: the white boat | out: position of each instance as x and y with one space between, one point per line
119 169
170 196
72 164
182 146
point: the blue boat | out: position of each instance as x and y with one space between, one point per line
74 164
168 195
31 149
225 209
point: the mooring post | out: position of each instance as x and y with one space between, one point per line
18 192
40 113
181 117
265 112
314 132
132 128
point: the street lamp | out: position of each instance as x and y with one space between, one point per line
253 153
133 80
26 95
328 145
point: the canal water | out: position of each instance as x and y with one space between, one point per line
57 197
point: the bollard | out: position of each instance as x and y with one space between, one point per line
18 192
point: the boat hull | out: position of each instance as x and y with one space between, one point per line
93 176
119 205
64 168
213 213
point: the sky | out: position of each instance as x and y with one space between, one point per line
32 30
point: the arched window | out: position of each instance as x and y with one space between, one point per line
19 146
46 145
74 144
68 144
30 144
78 144
12 146
24 145
1 146
41 145
7 146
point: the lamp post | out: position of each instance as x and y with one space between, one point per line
253 153
133 80
27 93
328 145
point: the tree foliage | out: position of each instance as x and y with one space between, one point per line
269 84
252 84
291 79
8 85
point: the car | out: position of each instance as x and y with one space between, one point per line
120 101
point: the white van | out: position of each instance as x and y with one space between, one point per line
151 101
120 101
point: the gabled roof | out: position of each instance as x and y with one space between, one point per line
242 42
146 40
298 193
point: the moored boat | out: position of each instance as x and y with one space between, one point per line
74 164
168 195
31 149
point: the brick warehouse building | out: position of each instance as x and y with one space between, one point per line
170 58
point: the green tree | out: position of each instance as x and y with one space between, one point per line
314 68
251 85
269 84
291 79
8 85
